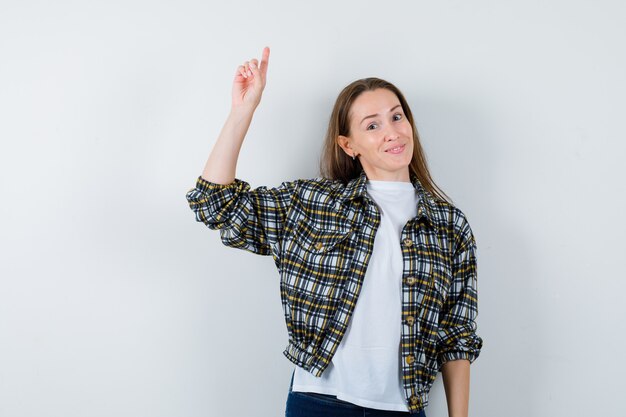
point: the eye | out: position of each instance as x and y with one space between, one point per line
397 116
371 125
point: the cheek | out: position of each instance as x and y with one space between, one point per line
407 129
369 143
410 147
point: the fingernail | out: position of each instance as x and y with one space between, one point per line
252 65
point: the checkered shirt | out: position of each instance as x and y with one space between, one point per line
320 234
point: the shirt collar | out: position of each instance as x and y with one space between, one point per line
357 187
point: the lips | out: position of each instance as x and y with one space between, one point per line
396 149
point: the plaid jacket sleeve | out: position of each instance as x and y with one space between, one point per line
457 338
247 219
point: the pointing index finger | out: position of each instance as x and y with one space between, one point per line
264 60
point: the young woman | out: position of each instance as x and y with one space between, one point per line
377 267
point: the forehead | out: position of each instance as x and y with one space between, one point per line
377 101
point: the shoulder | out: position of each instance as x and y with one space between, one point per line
319 186
455 222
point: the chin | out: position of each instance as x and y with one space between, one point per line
405 165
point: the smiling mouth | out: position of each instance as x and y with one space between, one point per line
397 149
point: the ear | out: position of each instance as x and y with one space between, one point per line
344 143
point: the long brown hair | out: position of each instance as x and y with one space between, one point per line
335 164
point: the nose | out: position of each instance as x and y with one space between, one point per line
391 134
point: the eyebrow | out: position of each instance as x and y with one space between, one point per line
374 115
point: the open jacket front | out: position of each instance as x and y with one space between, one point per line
320 234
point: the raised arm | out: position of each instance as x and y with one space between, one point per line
247 219
248 87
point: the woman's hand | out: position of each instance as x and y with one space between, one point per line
247 89
250 81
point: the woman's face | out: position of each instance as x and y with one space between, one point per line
380 136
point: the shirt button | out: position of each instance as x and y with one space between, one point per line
410 320
410 359
318 246
414 400
407 242
410 281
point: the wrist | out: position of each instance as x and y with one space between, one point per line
243 110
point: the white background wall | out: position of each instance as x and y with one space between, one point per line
115 302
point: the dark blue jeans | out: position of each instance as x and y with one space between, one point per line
312 404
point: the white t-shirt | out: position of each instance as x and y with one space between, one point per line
365 369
